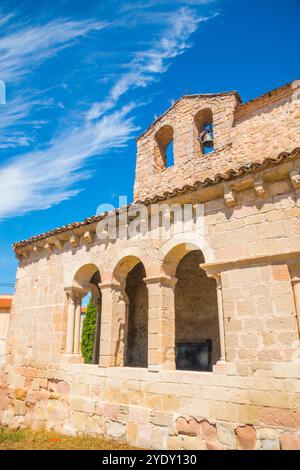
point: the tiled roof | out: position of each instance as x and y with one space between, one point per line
223 177
5 302
218 178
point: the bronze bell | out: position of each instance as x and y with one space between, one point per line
206 139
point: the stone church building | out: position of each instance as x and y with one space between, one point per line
197 334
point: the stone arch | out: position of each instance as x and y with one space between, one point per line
83 275
86 280
130 273
201 118
173 250
197 333
125 261
163 138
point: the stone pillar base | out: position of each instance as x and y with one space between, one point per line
72 358
221 367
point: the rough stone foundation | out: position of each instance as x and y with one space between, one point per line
162 410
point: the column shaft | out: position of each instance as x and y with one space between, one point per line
76 348
161 323
221 319
70 326
112 325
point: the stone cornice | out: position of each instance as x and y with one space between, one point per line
289 257
163 280
254 175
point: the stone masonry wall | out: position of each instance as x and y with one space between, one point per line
260 130
174 410
250 243
250 402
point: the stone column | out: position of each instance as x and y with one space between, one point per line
218 279
295 278
113 319
96 297
76 349
70 321
161 322
74 296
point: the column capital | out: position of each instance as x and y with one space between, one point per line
110 285
212 274
75 294
166 281
295 272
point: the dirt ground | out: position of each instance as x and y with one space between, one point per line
26 439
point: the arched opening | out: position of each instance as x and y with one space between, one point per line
86 282
163 153
204 132
170 155
136 347
197 336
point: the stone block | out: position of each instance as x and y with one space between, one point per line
132 430
161 418
139 415
115 429
269 444
82 404
192 443
175 443
225 435
246 437
289 441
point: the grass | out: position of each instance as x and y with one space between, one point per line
26 439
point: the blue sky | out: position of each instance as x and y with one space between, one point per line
84 78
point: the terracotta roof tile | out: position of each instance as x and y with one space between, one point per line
218 178
221 177
5 302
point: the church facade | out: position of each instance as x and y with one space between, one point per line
196 285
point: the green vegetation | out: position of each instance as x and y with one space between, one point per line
88 333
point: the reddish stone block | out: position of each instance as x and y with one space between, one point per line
108 410
32 397
208 431
182 426
246 437
193 427
280 417
4 401
63 388
189 427
289 441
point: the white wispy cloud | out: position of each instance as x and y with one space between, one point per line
147 65
23 50
16 118
39 179
143 5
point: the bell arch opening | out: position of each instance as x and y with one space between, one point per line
204 132
136 346
197 335
163 151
